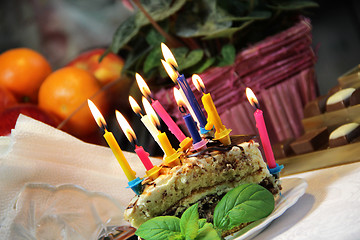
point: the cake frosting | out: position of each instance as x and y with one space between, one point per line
203 178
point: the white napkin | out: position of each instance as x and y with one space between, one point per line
38 153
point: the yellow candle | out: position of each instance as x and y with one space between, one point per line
222 133
110 139
166 145
172 156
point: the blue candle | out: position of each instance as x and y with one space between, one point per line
191 126
192 100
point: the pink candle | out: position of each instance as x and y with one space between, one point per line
264 137
130 135
173 127
144 157
260 124
159 109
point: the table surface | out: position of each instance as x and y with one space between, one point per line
330 208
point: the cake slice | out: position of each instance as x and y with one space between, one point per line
204 178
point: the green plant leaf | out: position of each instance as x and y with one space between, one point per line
137 55
208 233
189 222
160 228
245 203
154 38
201 18
227 33
192 58
124 33
158 10
254 15
294 5
228 53
202 223
153 59
203 65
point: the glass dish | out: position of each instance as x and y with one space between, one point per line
63 212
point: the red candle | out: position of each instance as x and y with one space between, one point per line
130 134
260 124
144 157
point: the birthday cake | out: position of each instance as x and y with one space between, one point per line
204 179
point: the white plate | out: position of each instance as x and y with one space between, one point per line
71 212
292 190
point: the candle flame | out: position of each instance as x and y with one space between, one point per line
170 71
151 112
97 115
198 82
178 98
125 126
144 88
134 105
168 56
252 98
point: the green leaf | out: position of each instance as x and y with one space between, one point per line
245 203
154 38
228 53
254 15
137 55
189 222
203 65
192 58
124 33
158 10
201 18
208 233
159 228
227 33
186 59
153 59
202 223
294 5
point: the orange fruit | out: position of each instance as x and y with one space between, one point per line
64 93
22 71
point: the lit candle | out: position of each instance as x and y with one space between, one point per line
173 127
131 136
134 182
198 142
260 124
213 120
139 150
169 64
171 157
110 139
145 120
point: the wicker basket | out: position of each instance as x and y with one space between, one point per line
280 71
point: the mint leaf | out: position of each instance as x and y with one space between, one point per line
160 228
206 231
189 222
202 223
245 203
